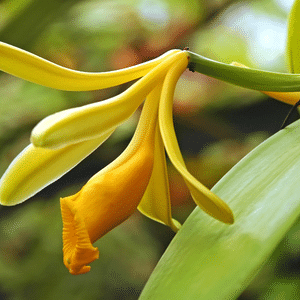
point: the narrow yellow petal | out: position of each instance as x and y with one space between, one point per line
203 197
111 195
156 202
286 97
35 168
89 121
33 68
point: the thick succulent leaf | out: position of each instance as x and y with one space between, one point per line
89 121
203 197
35 168
209 260
33 68
293 42
156 203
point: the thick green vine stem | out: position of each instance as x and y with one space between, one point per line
245 77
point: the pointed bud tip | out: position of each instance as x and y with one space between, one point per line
36 140
223 215
230 220
6 199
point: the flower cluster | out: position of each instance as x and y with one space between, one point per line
136 179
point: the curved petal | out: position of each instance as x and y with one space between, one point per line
89 121
35 168
33 68
203 197
156 203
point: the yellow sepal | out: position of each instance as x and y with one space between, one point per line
35 168
203 197
156 203
33 68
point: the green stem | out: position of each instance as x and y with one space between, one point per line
245 77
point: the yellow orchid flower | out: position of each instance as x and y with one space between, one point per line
85 214
136 179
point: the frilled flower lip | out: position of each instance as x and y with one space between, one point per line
78 249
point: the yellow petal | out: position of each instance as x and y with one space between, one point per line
82 123
286 97
203 197
33 68
111 195
35 168
156 202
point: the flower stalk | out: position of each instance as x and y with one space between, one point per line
245 77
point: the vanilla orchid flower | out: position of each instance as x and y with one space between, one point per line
140 173
136 179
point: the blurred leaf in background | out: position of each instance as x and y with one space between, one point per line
216 124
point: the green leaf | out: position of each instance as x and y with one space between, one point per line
293 43
210 260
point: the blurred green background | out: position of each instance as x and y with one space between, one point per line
216 124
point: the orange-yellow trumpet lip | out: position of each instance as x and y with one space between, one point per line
78 250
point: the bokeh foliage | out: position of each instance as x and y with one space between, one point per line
216 123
